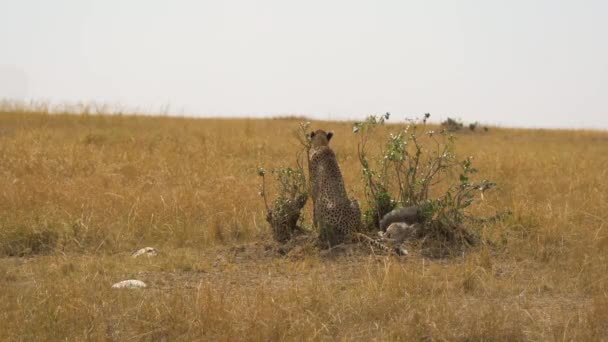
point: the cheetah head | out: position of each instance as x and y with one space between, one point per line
320 138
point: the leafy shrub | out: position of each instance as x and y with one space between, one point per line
377 196
452 125
417 167
284 215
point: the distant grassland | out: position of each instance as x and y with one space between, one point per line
79 192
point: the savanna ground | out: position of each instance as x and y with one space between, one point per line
79 193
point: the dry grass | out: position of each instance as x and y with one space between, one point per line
78 193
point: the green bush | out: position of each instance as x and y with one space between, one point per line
284 213
418 167
377 195
452 125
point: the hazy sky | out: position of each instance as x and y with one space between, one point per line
517 63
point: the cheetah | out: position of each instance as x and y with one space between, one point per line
409 215
333 212
395 237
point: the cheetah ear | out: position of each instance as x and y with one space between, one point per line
311 135
329 135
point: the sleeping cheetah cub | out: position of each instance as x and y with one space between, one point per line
395 237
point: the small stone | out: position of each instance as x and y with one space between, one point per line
129 284
148 251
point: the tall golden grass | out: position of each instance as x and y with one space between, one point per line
78 193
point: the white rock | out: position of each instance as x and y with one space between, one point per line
129 284
149 251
